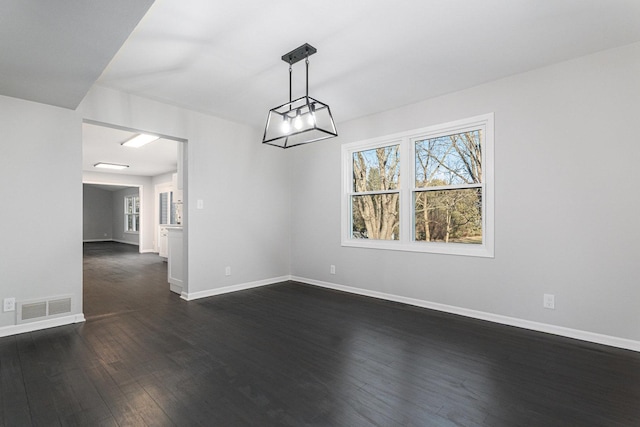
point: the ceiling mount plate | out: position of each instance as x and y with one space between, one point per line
299 53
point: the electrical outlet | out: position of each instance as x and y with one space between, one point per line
9 304
332 270
227 271
549 301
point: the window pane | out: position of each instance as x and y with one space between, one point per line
449 160
450 216
377 169
128 206
136 200
136 222
375 216
129 223
164 208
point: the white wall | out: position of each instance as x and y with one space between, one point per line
97 214
117 203
244 187
566 143
40 168
165 178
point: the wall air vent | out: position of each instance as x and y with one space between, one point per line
30 311
33 310
59 306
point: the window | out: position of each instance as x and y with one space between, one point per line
427 190
167 214
131 214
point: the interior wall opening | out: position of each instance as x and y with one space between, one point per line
133 254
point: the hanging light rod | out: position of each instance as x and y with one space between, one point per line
302 120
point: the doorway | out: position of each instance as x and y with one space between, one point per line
161 163
112 212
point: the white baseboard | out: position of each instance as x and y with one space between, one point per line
475 314
142 251
110 240
234 288
126 242
496 318
42 324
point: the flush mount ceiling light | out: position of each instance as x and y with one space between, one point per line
103 165
140 140
302 120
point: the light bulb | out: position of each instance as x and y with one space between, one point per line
286 126
297 122
312 115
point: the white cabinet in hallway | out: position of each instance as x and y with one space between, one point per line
175 262
163 242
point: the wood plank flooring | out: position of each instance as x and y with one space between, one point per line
295 355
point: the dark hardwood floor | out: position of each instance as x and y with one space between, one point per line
295 355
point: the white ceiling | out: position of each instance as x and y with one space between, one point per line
103 144
223 57
52 52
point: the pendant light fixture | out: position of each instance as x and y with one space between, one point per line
302 120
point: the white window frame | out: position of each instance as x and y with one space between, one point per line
407 140
126 214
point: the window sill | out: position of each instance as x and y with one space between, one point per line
482 251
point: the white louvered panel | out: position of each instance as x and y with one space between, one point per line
59 306
34 310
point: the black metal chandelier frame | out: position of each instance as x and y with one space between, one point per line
302 120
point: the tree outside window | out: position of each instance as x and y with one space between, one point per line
448 191
375 202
